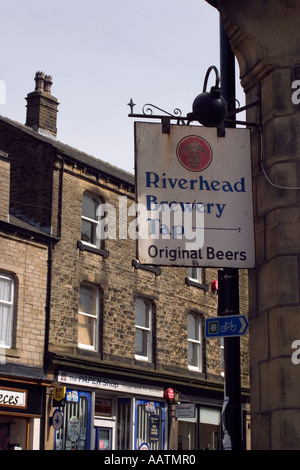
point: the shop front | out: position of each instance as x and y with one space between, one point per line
20 415
199 427
199 420
108 414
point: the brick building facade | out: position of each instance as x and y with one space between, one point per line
120 334
24 255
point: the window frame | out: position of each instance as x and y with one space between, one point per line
197 342
199 275
96 316
11 304
98 201
199 280
222 354
146 329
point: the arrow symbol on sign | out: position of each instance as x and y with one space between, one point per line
232 325
244 325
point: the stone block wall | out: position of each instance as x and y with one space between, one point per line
31 176
27 261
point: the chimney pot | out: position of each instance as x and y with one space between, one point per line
39 81
48 83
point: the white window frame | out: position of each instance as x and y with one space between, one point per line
95 316
146 329
222 357
195 274
9 305
94 221
196 342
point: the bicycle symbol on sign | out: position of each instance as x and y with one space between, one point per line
228 326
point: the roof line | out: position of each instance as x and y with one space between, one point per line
94 164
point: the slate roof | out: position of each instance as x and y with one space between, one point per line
91 163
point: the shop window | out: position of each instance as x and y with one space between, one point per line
210 429
195 342
123 424
13 433
143 329
103 407
7 288
90 221
88 317
187 434
201 432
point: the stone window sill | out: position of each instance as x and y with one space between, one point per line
199 285
91 249
146 267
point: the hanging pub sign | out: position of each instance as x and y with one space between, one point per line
194 196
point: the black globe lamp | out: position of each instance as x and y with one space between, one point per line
210 108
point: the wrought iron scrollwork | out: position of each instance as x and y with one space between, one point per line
148 111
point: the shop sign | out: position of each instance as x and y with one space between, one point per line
57 419
144 446
154 428
72 395
194 196
115 385
59 393
73 428
13 398
150 407
185 410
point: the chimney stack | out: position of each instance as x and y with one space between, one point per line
4 186
42 106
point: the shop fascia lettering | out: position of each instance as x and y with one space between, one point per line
108 384
13 398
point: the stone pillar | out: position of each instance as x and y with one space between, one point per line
264 36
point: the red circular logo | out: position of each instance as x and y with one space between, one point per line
194 153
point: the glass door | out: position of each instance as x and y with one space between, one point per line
103 439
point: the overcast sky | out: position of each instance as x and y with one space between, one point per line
100 55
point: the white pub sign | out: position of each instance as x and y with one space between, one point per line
194 196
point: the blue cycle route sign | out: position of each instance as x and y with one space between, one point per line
233 325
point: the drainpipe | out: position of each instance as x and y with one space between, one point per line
49 265
49 295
